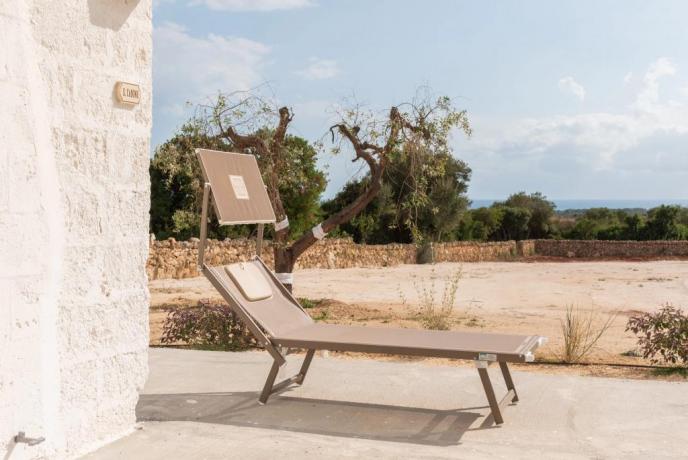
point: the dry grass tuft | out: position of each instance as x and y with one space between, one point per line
581 331
437 315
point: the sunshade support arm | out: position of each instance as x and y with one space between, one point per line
204 225
259 239
271 388
510 397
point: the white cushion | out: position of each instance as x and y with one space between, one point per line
250 280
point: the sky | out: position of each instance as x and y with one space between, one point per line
575 99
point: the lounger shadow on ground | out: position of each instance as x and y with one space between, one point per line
317 416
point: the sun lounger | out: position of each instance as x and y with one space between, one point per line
277 320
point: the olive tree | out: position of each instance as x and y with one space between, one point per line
250 124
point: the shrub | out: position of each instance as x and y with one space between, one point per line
208 326
581 331
663 333
438 315
308 303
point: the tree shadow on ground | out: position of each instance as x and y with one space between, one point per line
317 416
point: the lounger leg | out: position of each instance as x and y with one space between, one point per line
270 386
304 367
489 392
267 389
507 379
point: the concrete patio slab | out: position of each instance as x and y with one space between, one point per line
203 405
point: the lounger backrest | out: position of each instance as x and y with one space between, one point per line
277 313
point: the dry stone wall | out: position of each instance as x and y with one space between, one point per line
178 259
467 251
610 249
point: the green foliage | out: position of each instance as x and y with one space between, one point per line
177 185
519 217
662 334
540 212
661 223
308 303
423 191
532 216
514 223
480 224
605 224
301 185
422 199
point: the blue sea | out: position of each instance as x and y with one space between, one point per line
564 204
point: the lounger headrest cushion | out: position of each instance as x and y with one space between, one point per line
250 280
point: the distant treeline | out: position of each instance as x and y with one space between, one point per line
661 223
532 216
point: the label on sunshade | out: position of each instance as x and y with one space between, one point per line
239 187
487 357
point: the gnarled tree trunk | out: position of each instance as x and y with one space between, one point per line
287 253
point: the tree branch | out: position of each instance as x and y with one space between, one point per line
243 142
285 117
368 152
376 157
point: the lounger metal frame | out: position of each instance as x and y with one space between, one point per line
482 361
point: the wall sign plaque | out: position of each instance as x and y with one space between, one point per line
128 93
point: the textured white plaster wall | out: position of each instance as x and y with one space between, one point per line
74 200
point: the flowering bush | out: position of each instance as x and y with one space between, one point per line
210 326
664 333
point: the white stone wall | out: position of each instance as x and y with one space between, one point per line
74 200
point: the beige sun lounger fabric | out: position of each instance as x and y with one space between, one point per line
276 314
412 342
289 325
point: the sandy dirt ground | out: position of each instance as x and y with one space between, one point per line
517 297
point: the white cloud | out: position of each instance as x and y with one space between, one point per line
253 5
649 95
569 84
188 68
644 141
628 77
320 69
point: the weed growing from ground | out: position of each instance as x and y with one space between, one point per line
436 313
581 330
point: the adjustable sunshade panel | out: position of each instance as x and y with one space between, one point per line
239 195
